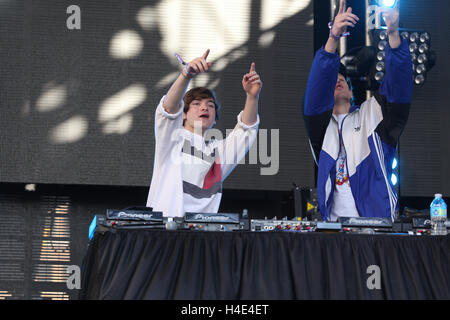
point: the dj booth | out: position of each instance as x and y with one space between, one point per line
188 259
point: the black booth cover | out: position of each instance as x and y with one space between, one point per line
191 265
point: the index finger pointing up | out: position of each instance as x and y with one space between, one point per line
342 6
205 55
252 67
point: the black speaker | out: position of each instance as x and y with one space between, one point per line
306 204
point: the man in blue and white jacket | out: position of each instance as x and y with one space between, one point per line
354 146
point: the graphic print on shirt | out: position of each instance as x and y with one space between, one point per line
341 171
201 172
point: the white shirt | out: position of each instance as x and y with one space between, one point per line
343 203
188 172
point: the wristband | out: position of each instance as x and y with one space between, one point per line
186 72
335 37
331 35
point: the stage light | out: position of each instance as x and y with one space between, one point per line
421 69
395 171
414 59
394 179
419 79
379 76
394 163
422 58
423 48
380 66
381 55
424 37
92 228
387 3
358 61
382 45
413 47
413 37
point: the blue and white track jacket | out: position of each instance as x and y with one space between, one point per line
370 132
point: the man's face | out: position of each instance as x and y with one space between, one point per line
201 112
342 90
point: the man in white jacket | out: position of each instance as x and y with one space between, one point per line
188 171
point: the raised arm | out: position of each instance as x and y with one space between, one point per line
391 17
319 97
237 143
342 21
398 81
176 92
395 93
252 85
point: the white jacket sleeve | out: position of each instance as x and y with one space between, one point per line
166 126
235 146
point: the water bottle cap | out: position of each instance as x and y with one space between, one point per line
438 195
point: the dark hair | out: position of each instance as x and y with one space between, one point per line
198 94
343 72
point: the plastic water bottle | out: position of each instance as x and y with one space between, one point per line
438 215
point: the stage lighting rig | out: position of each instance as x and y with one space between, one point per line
422 56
